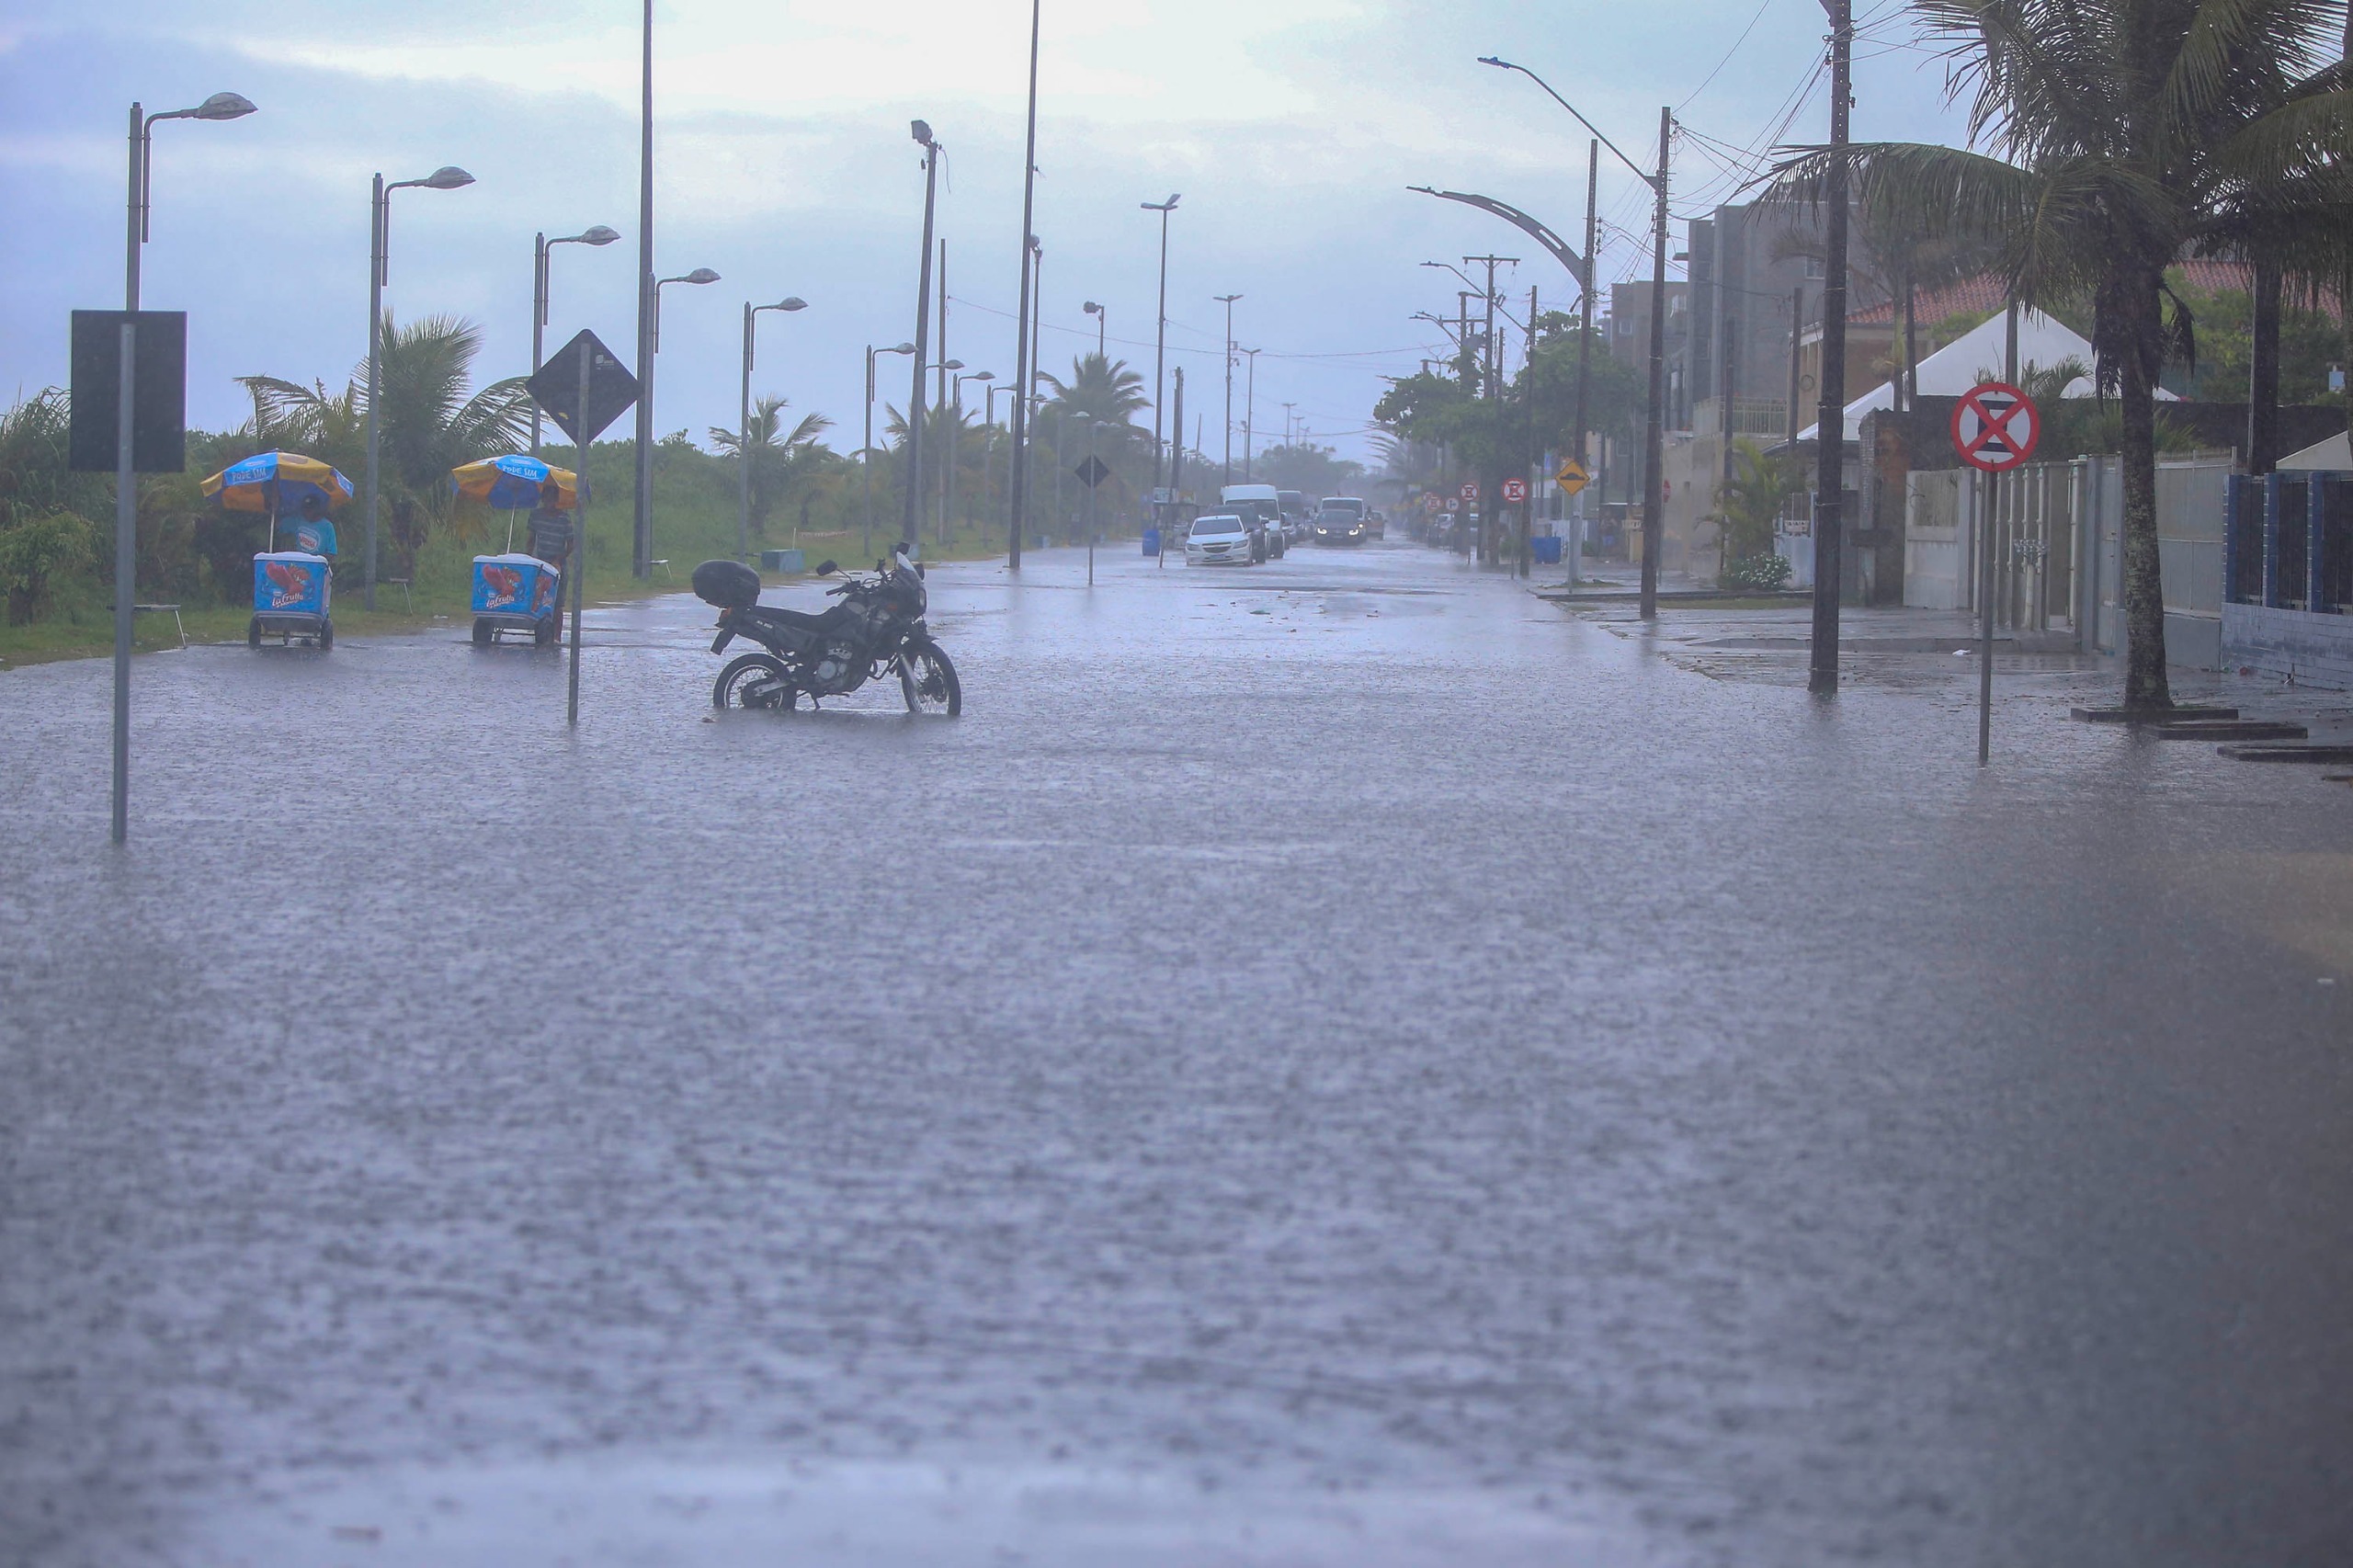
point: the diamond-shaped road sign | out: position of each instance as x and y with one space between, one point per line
556 388
1093 471
1572 477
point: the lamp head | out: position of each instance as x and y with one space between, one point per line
982 376
953 365
600 235
790 303
1498 62
449 176
1092 309
222 106
901 349
921 130
700 275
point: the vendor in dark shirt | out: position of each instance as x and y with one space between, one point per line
550 528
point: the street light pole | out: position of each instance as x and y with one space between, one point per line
865 453
1654 439
922 134
955 446
1227 300
1023 350
600 235
1102 324
220 105
744 426
446 177
1159 342
649 302
1249 411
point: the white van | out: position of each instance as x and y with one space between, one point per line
1261 506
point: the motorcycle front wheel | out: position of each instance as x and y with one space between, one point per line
929 681
757 682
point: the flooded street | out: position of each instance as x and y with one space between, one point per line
1337 1063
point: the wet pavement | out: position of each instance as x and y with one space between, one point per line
1340 1062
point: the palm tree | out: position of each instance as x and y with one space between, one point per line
429 421
783 463
2122 134
1108 393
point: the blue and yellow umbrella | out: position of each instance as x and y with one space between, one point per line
512 484
275 483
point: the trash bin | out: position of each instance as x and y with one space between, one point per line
1151 541
783 560
1547 549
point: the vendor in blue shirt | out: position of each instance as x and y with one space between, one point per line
314 530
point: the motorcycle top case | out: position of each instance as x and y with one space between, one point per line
729 584
289 581
514 584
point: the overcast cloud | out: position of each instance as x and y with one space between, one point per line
1292 127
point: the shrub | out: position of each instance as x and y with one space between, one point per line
1767 574
32 551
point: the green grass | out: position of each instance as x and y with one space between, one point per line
79 625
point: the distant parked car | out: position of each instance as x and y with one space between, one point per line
1221 539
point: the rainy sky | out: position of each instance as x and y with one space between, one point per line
1292 127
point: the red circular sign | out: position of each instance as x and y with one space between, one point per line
1995 427
1469 491
1515 490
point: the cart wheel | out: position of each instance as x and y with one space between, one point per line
252 632
326 635
483 633
543 631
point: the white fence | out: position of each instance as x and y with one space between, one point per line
2054 533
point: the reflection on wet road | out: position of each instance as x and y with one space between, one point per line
1333 1063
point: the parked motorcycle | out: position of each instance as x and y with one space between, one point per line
876 630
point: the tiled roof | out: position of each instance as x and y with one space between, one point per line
1985 294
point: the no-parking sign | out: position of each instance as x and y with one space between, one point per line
1515 490
1995 427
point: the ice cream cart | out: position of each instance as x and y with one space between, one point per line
293 589
517 592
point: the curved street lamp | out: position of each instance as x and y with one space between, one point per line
744 437
220 105
1102 323
449 176
1160 343
597 235
865 453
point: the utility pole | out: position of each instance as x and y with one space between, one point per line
1830 465
1492 364
1532 469
1655 423
1585 350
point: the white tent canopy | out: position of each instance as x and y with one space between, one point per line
1969 358
2334 454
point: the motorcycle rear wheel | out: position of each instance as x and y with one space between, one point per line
756 682
928 681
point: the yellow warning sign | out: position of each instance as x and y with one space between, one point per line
1573 477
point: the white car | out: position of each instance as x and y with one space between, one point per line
1221 539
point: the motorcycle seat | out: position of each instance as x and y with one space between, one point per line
799 621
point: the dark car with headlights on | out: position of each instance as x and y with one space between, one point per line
1338 525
